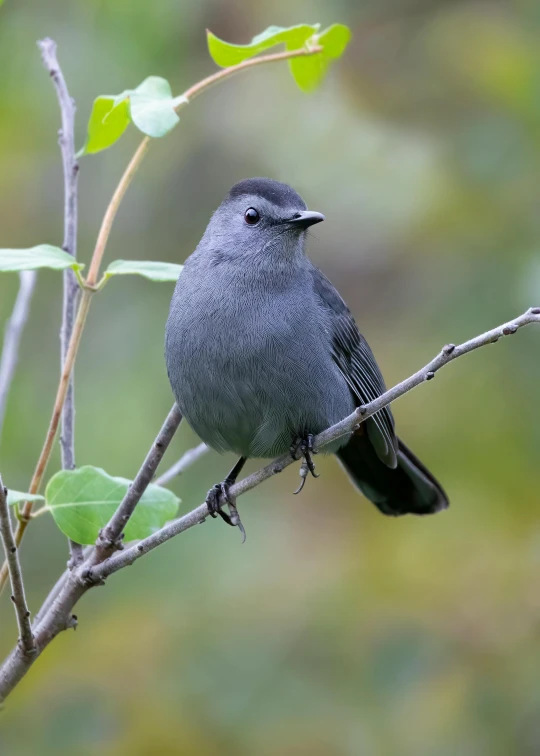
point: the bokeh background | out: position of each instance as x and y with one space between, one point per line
333 630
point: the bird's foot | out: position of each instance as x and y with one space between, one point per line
303 447
216 498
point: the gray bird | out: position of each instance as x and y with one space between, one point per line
262 353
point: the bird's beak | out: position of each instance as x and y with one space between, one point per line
305 219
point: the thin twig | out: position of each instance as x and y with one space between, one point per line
66 140
185 461
110 538
13 333
26 638
93 274
59 615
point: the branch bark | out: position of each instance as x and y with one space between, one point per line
14 329
26 646
58 616
66 140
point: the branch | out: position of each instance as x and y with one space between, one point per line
93 274
347 425
185 461
110 537
58 616
26 644
66 141
14 329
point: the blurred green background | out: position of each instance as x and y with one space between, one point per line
333 630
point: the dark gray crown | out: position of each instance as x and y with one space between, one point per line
279 194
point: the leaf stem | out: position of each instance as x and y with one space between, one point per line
214 78
110 213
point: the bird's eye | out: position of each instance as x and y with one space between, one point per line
251 216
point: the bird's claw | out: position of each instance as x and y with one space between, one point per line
304 447
216 498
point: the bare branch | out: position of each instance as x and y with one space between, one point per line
26 639
57 587
14 329
185 461
111 536
66 141
60 603
448 353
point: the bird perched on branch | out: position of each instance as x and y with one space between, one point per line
262 354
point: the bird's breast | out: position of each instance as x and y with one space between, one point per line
252 368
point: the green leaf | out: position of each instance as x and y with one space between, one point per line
16 497
152 107
154 271
108 121
82 502
226 54
42 256
309 70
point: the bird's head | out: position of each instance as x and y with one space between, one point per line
260 218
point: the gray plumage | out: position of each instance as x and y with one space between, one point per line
261 350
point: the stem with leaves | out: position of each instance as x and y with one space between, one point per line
56 615
92 283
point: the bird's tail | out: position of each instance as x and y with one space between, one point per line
409 488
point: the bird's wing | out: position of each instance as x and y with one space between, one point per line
356 362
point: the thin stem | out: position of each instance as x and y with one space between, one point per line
26 638
93 273
185 461
71 287
14 329
44 457
110 213
225 73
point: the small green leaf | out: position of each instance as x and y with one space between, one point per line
108 121
16 497
42 256
309 70
226 54
152 107
82 502
154 271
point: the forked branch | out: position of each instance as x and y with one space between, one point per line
57 614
